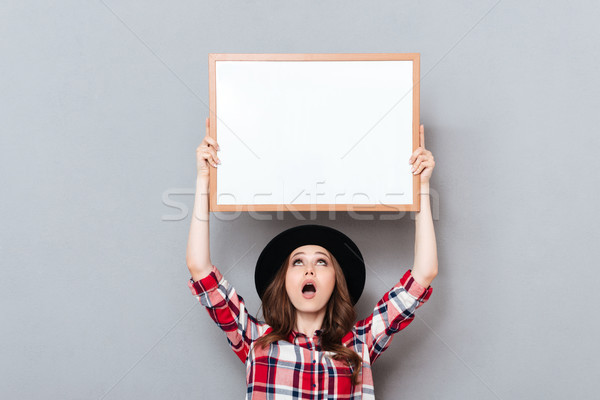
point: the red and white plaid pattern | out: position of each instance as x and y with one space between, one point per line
298 368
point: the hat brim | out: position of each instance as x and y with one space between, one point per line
341 246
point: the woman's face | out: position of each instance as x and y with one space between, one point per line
310 264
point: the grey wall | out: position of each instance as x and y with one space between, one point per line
103 104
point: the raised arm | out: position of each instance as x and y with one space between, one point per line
213 291
394 312
228 310
425 266
198 248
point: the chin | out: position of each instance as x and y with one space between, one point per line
307 307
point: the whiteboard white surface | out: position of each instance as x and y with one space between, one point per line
314 132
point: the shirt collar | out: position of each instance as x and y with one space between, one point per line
294 334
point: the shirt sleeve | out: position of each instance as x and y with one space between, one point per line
228 310
394 312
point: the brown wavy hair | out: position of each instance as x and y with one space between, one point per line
280 314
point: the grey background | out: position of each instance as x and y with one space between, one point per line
103 105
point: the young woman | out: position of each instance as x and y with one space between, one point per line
309 277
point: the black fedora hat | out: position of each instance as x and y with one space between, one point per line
341 246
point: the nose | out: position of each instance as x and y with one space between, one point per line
309 271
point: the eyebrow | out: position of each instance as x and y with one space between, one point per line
316 252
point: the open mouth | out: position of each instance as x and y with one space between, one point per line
309 290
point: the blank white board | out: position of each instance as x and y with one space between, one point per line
314 131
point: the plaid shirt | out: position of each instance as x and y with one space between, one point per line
299 368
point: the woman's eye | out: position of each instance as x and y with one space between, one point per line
299 260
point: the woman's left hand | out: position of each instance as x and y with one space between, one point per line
422 159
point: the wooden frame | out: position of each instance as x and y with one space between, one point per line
235 97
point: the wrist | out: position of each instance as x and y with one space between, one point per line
202 181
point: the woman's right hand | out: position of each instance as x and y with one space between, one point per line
207 153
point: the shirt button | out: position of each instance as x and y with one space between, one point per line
314 385
314 361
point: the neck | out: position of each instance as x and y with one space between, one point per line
308 323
